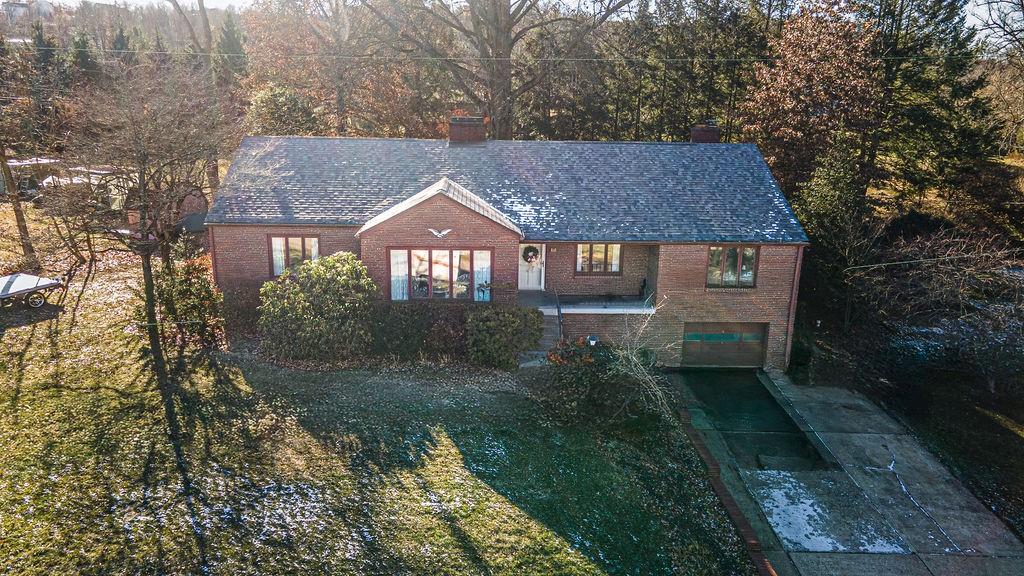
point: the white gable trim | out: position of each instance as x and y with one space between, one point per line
452 190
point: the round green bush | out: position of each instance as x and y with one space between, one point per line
321 310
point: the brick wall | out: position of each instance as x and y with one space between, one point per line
560 272
469 230
241 253
683 297
608 327
242 264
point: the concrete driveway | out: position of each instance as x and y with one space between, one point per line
879 504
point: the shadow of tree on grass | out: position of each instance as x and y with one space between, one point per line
629 500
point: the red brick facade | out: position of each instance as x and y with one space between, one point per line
241 253
560 272
675 273
683 295
469 230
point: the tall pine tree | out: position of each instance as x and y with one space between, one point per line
230 62
933 134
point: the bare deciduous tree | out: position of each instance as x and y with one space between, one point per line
158 144
823 83
201 38
636 352
489 32
292 38
1004 20
15 115
941 275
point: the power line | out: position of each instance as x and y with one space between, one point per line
403 58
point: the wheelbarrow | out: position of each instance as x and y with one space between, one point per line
31 290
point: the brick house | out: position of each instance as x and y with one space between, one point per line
694 237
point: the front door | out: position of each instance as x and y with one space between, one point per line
531 266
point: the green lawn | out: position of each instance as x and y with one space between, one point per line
420 470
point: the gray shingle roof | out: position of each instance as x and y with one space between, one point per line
624 191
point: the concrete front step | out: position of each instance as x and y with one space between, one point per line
533 358
548 340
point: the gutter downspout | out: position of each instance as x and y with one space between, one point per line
213 255
792 303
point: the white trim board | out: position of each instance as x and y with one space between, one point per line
451 189
552 311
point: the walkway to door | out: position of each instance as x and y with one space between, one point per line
880 503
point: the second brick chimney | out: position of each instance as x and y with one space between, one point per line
705 134
463 129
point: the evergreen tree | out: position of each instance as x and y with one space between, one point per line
681 63
836 214
832 207
82 57
121 46
933 133
569 103
630 86
230 61
278 111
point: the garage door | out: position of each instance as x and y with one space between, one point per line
724 344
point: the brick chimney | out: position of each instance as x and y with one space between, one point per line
462 129
705 134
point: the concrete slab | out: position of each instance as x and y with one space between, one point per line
886 494
827 409
947 565
830 564
918 495
821 511
804 394
855 415
888 506
979 533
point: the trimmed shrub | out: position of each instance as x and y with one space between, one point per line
496 334
409 330
321 311
329 309
488 335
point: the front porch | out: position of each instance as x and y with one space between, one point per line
550 302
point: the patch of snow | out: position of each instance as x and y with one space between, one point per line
879 545
795 515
